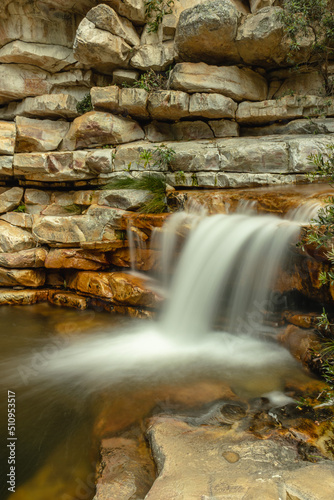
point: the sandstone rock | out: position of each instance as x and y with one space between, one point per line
118 288
157 57
106 98
105 18
229 472
99 48
6 166
224 128
73 258
295 127
73 231
301 343
134 10
128 76
10 199
100 161
67 299
20 81
193 157
33 257
52 58
191 131
259 39
159 132
167 28
37 197
231 81
44 106
52 167
22 297
97 129
288 107
207 32
168 105
299 83
7 138
126 469
143 259
70 80
212 106
14 239
128 157
256 5
39 135
18 219
22 277
126 199
134 102
303 147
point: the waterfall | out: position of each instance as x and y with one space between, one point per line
228 260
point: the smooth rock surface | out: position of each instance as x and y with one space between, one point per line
134 102
44 106
168 105
231 81
126 199
33 257
21 277
212 106
157 57
73 258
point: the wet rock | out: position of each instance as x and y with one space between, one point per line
301 343
14 239
126 469
67 299
212 106
97 129
210 474
33 257
206 32
157 57
10 199
168 105
118 288
52 58
303 320
231 81
73 258
22 297
39 135
7 138
100 49
144 259
21 277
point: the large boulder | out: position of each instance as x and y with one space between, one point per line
231 81
207 32
97 129
100 49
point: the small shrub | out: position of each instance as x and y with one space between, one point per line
155 10
151 80
85 104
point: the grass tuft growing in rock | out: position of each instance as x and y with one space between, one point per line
148 182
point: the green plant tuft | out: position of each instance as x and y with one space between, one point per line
85 104
155 10
74 209
21 208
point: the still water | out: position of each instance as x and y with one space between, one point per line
62 402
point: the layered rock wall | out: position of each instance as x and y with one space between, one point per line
214 84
